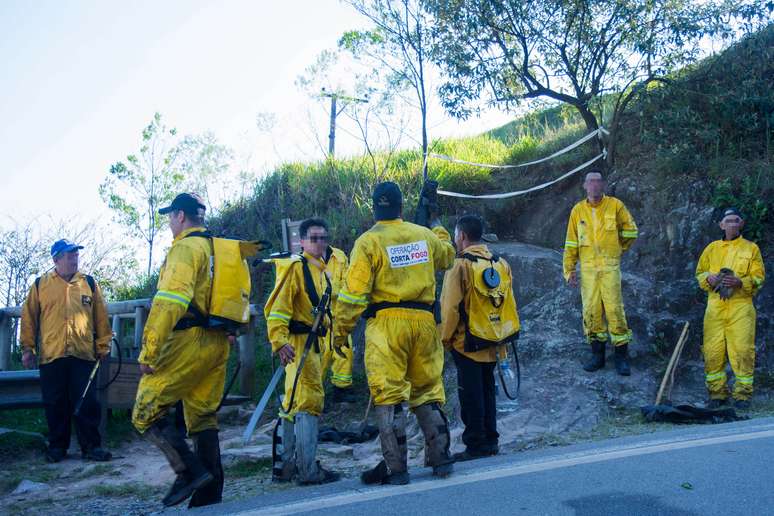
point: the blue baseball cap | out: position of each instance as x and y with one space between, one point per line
64 246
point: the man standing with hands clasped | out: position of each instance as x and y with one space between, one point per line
731 272
66 313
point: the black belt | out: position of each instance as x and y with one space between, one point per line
413 305
301 328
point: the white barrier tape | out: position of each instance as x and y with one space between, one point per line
528 190
570 147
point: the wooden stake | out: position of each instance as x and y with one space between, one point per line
672 363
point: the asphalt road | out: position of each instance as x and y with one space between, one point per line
698 470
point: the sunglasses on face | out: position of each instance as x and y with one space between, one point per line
317 238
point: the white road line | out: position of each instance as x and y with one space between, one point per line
587 457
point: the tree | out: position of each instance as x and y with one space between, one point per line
572 51
23 255
399 44
137 188
204 163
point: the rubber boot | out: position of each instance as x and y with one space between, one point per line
597 358
309 469
393 469
191 474
434 426
283 451
207 448
621 359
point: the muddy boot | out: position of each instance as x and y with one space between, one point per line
597 358
283 451
392 434
191 474
434 426
309 469
621 359
207 448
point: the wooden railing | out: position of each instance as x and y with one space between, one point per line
21 388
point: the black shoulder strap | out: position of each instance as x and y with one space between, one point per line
37 286
92 284
311 290
473 258
470 257
203 234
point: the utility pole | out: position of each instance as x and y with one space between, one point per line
335 112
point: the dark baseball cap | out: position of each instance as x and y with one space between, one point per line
64 246
388 201
731 211
186 202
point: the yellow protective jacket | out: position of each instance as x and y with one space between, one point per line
184 278
68 315
457 287
741 256
290 301
391 262
598 234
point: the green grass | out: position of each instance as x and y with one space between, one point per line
129 489
248 468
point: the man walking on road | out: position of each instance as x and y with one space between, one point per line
731 272
391 281
182 360
66 313
600 229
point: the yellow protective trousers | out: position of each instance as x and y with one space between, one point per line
340 367
309 392
729 328
192 369
603 310
404 358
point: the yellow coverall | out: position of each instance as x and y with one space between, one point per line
396 261
189 365
290 302
729 325
340 367
597 235
73 314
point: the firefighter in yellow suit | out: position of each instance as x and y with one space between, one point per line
289 318
391 278
184 361
339 366
731 272
600 229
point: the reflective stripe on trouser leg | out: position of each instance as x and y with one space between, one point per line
391 420
306 447
740 342
714 351
434 426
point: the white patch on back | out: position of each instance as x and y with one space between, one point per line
405 255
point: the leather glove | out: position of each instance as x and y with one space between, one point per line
339 343
725 292
253 247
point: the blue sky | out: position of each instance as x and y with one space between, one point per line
81 78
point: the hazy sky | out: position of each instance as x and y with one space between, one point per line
80 79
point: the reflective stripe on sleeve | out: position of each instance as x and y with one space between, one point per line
173 297
279 316
352 298
570 244
629 233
